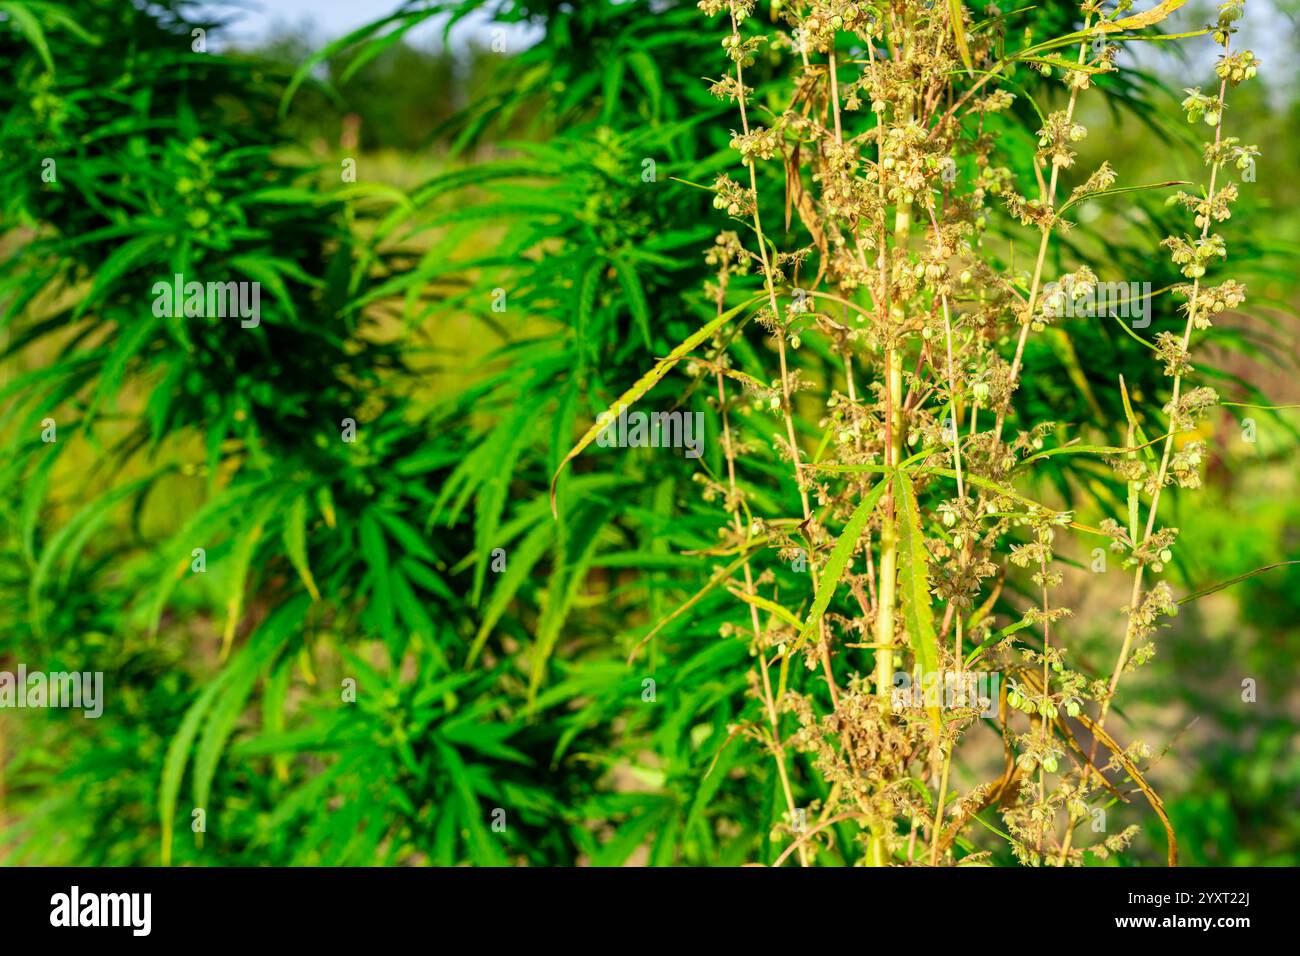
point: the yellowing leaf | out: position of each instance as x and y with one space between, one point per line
764 604
295 543
1139 20
645 383
326 501
959 33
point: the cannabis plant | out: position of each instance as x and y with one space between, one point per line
364 602
870 611
227 516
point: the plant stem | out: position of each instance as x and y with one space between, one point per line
1136 595
768 700
886 592
1034 287
786 402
